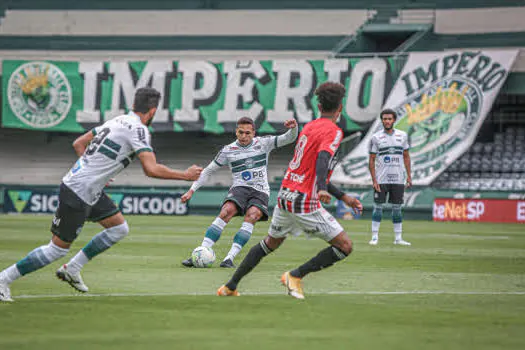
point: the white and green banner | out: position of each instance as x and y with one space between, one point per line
196 95
441 99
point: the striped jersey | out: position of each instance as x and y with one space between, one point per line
298 193
248 164
113 148
389 148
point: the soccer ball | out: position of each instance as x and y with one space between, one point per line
203 257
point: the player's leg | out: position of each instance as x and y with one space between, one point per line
213 232
257 211
377 213
115 228
397 192
328 229
67 224
281 225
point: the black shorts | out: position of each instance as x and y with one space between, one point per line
72 212
246 197
395 194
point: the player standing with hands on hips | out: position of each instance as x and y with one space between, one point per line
388 160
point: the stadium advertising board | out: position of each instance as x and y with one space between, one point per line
481 210
196 95
441 100
137 203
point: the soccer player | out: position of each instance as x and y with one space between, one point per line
247 158
104 152
305 185
389 156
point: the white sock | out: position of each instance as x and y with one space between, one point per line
208 243
234 250
398 230
77 262
10 274
375 229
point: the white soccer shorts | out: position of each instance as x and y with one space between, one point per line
319 223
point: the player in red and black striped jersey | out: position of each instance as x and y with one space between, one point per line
306 184
300 180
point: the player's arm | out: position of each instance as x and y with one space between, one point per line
153 169
406 160
289 136
348 200
203 178
372 164
321 171
81 142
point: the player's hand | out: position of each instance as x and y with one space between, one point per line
187 196
353 203
324 197
377 188
193 172
290 123
409 182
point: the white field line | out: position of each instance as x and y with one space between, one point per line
410 292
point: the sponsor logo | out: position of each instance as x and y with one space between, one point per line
246 175
19 199
294 177
452 210
39 94
155 205
520 211
387 159
276 228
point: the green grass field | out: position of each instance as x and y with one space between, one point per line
460 286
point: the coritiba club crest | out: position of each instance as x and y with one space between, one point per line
437 120
39 94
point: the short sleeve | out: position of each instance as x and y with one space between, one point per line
141 140
372 148
221 159
406 145
96 130
330 142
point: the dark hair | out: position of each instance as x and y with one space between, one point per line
330 96
246 120
146 98
388 111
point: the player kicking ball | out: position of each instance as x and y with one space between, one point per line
104 152
247 159
305 185
388 160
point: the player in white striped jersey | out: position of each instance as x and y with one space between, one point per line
247 158
389 158
103 153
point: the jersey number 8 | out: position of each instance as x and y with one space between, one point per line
299 152
97 140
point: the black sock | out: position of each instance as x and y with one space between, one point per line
254 256
326 258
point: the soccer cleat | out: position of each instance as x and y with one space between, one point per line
188 263
228 263
374 241
293 284
224 291
5 293
74 280
401 242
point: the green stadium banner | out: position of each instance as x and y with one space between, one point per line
441 100
196 95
